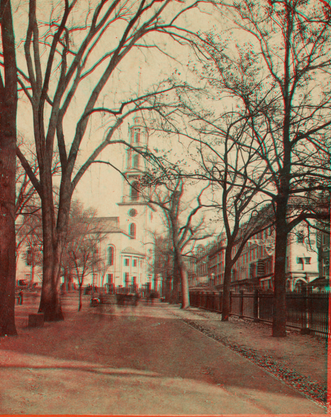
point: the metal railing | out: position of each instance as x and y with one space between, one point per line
307 312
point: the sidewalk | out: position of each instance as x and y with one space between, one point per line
153 360
299 360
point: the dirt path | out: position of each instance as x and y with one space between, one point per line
135 361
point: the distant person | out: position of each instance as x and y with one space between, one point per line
20 295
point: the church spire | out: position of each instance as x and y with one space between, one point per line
135 164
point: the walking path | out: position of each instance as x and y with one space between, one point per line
143 360
300 360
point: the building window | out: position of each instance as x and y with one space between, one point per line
135 191
134 262
252 270
301 262
126 279
126 262
261 268
136 161
110 278
132 231
307 261
129 158
137 136
133 212
29 257
110 255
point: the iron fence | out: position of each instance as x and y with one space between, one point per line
307 312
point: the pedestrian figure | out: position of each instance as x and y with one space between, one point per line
20 300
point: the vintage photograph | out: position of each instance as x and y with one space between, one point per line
165 183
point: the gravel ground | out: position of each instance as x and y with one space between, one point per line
299 360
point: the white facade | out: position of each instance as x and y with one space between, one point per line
26 269
128 246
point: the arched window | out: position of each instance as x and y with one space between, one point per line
29 257
137 136
136 161
135 190
132 231
110 255
129 159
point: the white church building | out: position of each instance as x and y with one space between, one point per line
127 245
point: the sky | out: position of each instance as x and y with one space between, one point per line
101 186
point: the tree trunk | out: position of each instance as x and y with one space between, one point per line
7 233
168 285
32 271
185 297
279 310
54 241
50 303
65 287
8 112
80 297
70 282
185 289
226 286
174 299
176 281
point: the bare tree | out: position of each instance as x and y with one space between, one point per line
163 263
28 215
83 245
184 227
236 173
287 48
8 114
27 209
60 58
30 233
237 197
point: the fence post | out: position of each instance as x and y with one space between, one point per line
305 324
221 301
256 306
241 316
230 303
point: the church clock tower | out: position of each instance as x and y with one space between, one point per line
136 214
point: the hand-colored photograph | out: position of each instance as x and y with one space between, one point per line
165 184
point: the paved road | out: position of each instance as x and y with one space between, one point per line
135 361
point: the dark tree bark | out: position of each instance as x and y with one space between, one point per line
279 308
8 112
80 296
226 285
273 83
51 86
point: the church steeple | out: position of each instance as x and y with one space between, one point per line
136 217
135 162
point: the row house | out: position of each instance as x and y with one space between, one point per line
255 266
323 245
201 269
